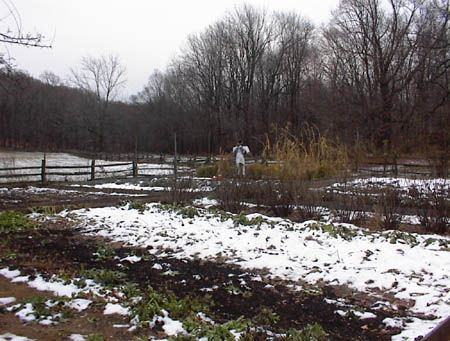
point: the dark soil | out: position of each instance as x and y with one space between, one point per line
58 248
65 196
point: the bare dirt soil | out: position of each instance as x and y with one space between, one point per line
57 248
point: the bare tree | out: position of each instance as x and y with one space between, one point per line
295 45
11 32
101 78
372 46
50 78
248 36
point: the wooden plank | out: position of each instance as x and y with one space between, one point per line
68 174
20 175
440 333
116 164
20 168
67 167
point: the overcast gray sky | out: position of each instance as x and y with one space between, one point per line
145 34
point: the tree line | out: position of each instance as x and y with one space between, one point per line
376 75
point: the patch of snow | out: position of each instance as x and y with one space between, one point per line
205 202
171 327
12 337
112 308
79 304
58 288
20 279
6 300
10 274
132 259
26 314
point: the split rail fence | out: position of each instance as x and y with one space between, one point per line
101 170
397 167
45 172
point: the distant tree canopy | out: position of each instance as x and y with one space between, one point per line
377 74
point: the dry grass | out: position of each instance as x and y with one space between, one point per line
310 155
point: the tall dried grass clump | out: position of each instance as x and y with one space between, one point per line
307 156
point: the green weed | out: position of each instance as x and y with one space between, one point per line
334 230
241 219
95 337
312 332
151 304
400 237
107 278
136 205
48 211
14 221
266 317
131 290
188 212
105 252
442 242
217 333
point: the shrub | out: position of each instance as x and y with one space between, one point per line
289 198
257 171
433 209
348 208
181 190
227 166
207 171
230 195
387 209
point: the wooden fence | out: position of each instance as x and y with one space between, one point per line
97 170
405 167
64 172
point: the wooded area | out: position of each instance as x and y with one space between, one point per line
375 77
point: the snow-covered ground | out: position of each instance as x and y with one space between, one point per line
410 267
402 185
194 184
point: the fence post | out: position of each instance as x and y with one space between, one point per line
92 170
395 164
135 168
175 155
43 171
